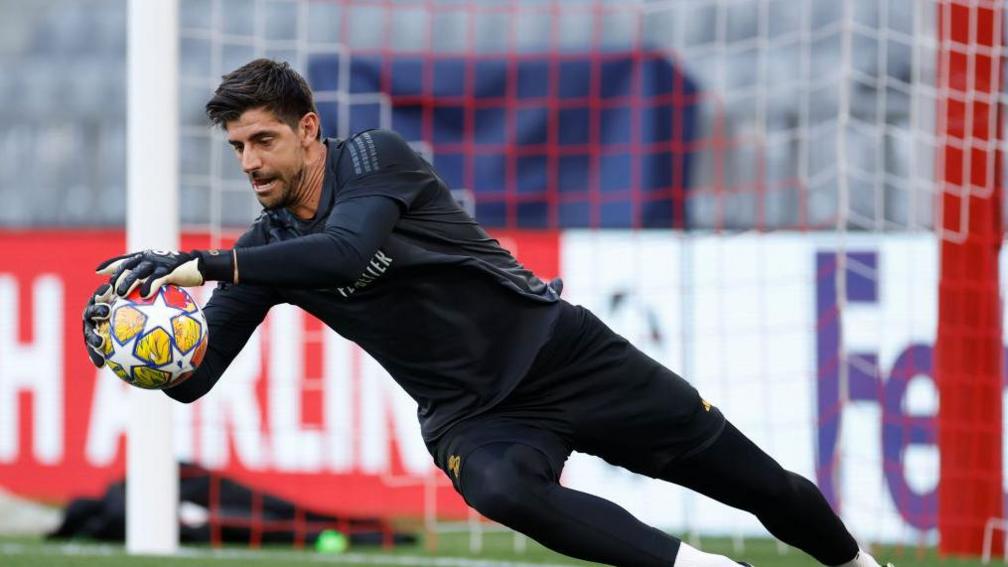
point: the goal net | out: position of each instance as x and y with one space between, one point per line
795 204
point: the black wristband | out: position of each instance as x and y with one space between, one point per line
216 264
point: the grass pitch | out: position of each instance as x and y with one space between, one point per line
452 550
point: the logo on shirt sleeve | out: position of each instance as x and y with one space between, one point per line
378 265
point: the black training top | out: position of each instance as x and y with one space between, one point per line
391 262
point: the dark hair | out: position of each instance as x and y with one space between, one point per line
262 83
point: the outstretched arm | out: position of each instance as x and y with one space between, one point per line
354 231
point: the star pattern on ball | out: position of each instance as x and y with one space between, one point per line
154 312
159 339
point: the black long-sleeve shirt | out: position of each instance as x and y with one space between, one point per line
391 262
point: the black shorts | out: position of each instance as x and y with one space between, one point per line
591 391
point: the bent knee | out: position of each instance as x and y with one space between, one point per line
499 505
502 485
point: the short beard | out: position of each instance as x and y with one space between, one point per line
290 197
290 194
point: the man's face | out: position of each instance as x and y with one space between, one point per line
271 154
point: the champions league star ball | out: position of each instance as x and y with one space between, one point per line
155 343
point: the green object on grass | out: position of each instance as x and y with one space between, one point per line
331 541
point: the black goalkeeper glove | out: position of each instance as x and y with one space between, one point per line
152 269
96 315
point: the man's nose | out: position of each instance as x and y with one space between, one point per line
250 161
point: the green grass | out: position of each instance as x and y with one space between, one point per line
452 550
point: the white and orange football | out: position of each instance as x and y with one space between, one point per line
157 342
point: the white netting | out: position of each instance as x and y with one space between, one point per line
809 197
776 82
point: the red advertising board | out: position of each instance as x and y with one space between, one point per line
62 421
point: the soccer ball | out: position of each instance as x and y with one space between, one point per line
154 343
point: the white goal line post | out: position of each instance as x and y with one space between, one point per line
152 221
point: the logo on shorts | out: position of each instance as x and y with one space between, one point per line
706 404
454 462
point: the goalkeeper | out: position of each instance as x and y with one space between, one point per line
508 377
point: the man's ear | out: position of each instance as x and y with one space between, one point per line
309 128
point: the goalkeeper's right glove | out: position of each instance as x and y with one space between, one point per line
96 312
151 269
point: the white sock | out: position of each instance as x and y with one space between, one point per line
690 556
862 559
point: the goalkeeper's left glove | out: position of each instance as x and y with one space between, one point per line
96 312
152 269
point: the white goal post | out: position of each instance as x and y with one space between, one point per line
151 222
